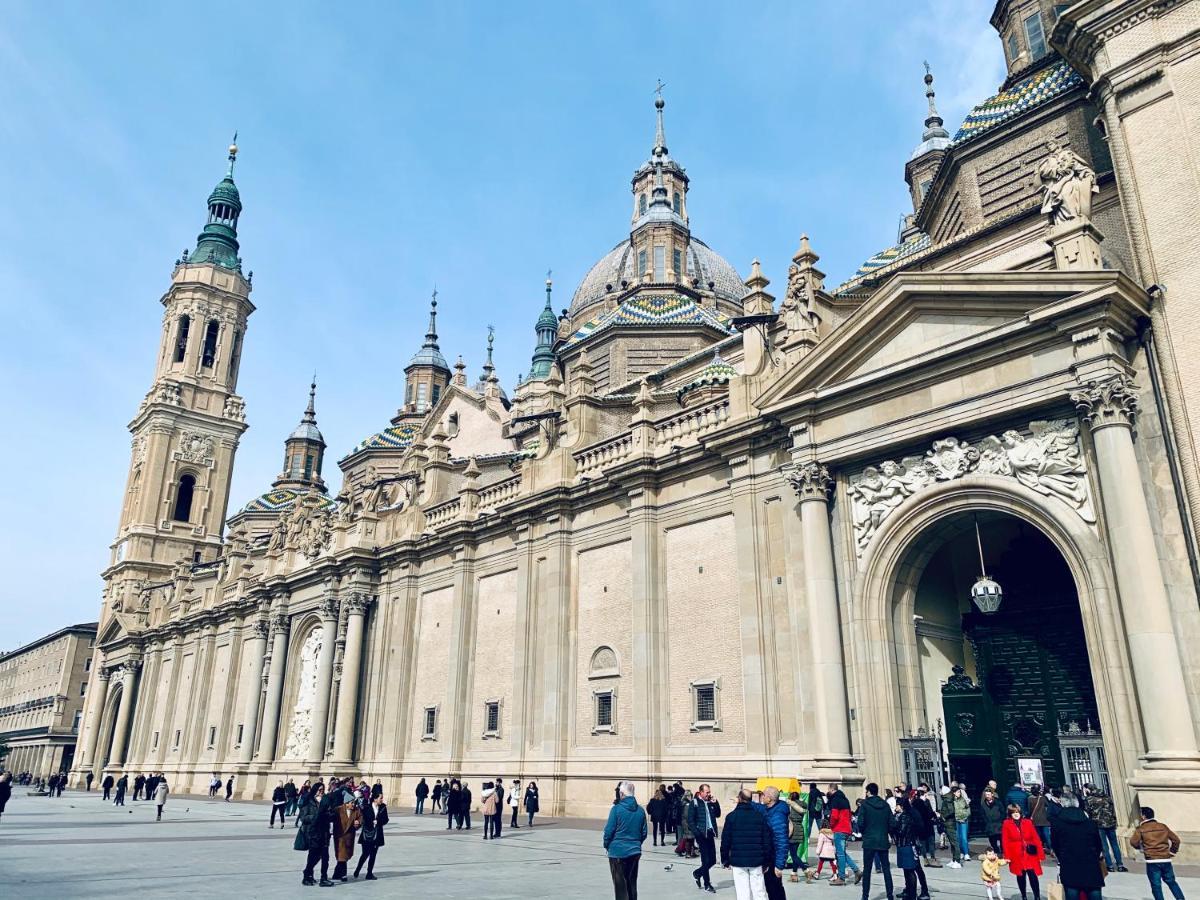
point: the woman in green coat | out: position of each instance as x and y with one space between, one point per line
798 824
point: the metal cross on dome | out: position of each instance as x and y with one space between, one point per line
658 90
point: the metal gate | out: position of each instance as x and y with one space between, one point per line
1083 757
921 760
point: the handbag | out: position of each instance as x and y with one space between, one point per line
1056 892
301 843
1030 850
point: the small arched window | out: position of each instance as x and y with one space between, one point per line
210 344
677 204
183 498
235 356
641 204
181 337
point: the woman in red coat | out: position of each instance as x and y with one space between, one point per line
1023 849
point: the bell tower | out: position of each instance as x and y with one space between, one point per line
186 430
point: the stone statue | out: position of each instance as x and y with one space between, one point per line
279 533
1067 185
796 308
1048 461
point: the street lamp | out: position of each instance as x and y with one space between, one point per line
985 592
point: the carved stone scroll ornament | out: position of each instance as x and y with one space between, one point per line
1047 460
1068 184
259 628
1112 401
280 623
811 480
358 603
195 447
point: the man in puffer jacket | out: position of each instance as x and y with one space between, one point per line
1100 809
775 813
747 847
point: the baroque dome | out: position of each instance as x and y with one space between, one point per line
618 265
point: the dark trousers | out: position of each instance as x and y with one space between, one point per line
871 858
367 856
465 818
659 828
911 878
120 798
624 876
513 823
1160 874
1071 893
420 806
158 818
498 822
106 792
489 827
339 870
799 858
774 885
277 809
707 845
450 817
994 842
437 803
315 855
1033 882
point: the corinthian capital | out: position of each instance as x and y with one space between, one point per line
260 628
358 602
279 623
811 480
1111 401
329 607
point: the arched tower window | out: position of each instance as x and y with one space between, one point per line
677 204
210 343
181 337
641 204
234 356
183 498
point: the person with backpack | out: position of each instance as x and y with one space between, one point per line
374 817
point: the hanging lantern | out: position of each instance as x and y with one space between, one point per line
985 593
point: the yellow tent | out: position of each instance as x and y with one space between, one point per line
785 785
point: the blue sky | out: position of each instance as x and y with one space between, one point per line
384 148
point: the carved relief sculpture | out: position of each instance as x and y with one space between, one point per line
195 447
300 730
1048 461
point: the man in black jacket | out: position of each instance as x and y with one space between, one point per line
874 823
747 847
702 820
498 823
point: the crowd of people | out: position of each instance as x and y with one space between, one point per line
453 798
340 811
767 832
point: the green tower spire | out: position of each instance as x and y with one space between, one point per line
217 243
547 330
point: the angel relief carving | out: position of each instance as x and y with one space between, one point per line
1048 461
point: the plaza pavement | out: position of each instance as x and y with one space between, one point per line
78 846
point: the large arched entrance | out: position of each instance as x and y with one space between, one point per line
1010 690
1051 661
107 726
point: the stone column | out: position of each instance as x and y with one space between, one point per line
812 483
124 711
347 708
256 650
270 726
320 714
95 712
1109 407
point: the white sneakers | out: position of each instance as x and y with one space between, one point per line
953 865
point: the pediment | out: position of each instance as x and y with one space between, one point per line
114 630
921 317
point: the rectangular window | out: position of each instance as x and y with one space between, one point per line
604 710
308 464
660 262
75 724
178 734
421 395
154 742
641 263
430 730
925 186
677 263
706 705
239 733
1014 49
1059 9
677 204
437 392
491 718
212 736
1035 37
82 688
87 664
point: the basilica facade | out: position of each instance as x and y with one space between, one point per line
936 521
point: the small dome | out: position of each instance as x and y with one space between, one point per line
307 431
429 356
619 265
931 144
716 372
279 500
226 192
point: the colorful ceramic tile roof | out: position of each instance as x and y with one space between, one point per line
886 257
277 501
396 437
653 311
716 372
1034 90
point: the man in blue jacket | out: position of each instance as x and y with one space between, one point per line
624 834
776 815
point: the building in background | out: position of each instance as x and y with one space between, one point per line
42 690
937 521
